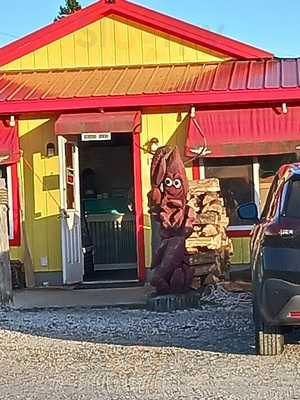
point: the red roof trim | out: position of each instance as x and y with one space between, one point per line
137 101
133 12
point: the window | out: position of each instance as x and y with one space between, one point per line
269 165
270 198
70 177
236 181
291 208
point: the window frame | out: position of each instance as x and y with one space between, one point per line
243 229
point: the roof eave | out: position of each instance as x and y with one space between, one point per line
253 97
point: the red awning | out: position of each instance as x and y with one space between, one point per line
116 122
9 143
244 132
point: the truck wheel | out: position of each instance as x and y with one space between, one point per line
269 340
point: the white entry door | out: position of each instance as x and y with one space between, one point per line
72 252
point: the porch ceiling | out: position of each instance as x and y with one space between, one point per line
226 82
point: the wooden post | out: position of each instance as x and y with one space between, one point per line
5 272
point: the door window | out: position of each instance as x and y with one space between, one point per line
70 177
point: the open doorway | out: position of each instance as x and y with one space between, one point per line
108 208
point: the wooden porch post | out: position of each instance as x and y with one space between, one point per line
5 272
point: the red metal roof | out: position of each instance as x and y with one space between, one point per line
226 82
135 13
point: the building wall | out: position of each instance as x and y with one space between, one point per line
39 179
39 182
113 41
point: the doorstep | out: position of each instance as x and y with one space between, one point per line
67 298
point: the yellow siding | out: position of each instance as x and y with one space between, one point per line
40 205
113 41
241 251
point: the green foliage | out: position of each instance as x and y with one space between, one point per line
70 7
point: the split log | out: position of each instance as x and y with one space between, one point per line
206 257
211 280
191 250
216 207
204 185
206 269
209 198
208 218
212 243
194 205
194 235
209 230
223 221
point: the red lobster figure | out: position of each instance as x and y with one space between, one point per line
168 205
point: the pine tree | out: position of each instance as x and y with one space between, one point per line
70 7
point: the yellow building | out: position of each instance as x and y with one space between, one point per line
85 96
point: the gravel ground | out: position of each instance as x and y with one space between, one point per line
135 354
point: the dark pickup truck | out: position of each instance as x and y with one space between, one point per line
275 260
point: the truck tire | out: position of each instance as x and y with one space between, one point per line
269 340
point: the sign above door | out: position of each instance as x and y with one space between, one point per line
90 137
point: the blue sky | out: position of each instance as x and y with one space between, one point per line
269 24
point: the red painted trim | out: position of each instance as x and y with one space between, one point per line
139 206
196 170
276 96
135 13
238 234
16 206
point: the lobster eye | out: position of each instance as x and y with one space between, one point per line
177 183
168 182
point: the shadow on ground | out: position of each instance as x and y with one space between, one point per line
212 328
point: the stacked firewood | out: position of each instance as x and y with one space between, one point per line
209 247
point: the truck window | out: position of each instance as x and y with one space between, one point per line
270 198
291 207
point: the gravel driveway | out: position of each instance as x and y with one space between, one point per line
134 354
